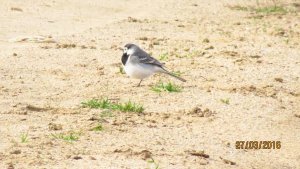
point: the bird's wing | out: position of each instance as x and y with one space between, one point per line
147 59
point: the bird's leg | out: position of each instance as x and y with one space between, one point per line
140 83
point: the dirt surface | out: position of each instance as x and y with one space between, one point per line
57 54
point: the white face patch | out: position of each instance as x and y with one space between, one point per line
129 51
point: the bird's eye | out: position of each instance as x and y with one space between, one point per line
125 50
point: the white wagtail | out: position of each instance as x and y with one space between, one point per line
140 65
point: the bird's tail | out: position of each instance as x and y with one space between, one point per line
171 74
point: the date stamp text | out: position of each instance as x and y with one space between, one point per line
258 144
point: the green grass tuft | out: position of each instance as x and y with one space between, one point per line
99 127
177 73
195 53
226 101
168 87
96 104
128 107
163 57
239 8
121 70
106 104
24 137
153 164
271 9
263 10
67 137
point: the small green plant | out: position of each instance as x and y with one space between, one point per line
99 127
95 104
152 164
271 9
168 87
239 8
128 107
226 101
70 137
287 40
103 115
177 73
195 53
121 70
106 104
263 10
24 137
163 57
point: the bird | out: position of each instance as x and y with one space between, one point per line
139 64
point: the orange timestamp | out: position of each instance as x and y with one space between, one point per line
258 144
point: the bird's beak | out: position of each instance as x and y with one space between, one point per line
120 48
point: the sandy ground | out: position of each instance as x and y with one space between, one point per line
251 60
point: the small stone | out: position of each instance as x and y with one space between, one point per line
255 56
53 126
186 49
14 54
95 118
228 161
198 153
297 115
92 158
16 9
198 111
10 166
205 40
227 144
280 33
145 154
278 79
201 113
210 47
16 152
242 39
155 42
36 108
130 19
144 38
202 161
77 158
150 46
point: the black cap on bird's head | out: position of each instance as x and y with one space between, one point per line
129 45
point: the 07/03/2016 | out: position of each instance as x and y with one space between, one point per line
258 144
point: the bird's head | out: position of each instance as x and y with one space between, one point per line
128 50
